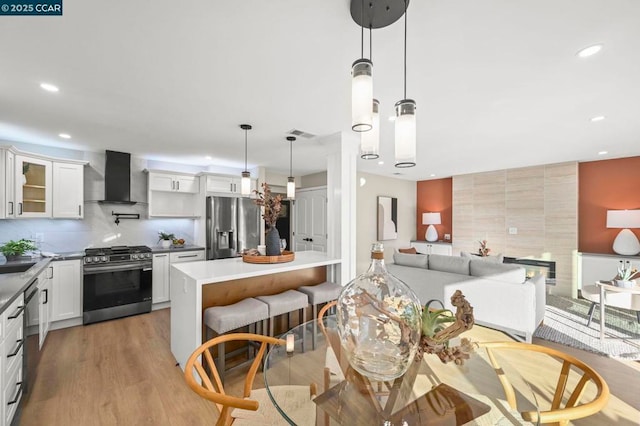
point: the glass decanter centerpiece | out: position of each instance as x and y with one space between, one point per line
379 321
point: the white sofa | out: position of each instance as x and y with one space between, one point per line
501 296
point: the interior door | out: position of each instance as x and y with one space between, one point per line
311 220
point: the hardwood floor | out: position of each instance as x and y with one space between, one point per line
122 372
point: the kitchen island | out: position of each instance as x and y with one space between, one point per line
196 286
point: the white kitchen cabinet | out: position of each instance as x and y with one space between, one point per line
44 294
426 247
7 184
227 184
173 194
173 182
161 271
593 267
160 278
11 350
68 190
33 178
66 289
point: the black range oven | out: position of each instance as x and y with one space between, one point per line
116 282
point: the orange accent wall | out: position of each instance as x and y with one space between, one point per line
435 196
605 185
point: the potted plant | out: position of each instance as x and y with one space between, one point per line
14 249
165 239
272 205
626 275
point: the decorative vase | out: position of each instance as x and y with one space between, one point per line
379 321
273 241
165 243
625 283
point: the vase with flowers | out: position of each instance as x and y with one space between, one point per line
626 275
483 251
272 204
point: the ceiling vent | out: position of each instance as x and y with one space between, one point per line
301 134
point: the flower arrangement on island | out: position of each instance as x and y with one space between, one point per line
272 204
483 250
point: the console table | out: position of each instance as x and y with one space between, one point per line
436 247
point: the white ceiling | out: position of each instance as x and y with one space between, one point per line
497 82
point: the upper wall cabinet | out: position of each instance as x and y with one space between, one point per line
68 190
172 182
37 186
226 184
33 187
173 194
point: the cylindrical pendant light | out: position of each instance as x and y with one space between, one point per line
405 126
370 141
361 89
291 182
245 183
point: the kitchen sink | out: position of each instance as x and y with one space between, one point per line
15 267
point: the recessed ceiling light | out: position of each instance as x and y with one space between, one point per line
64 135
380 163
597 118
208 157
603 152
589 51
49 87
432 175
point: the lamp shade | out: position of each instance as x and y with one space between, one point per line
370 141
361 95
623 218
431 219
405 133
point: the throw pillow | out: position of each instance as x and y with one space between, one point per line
499 271
414 260
498 258
456 265
410 250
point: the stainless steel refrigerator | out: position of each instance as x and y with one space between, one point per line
233 225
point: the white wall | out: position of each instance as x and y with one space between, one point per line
369 187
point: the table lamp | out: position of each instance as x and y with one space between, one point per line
626 242
431 219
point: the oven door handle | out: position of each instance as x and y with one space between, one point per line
113 268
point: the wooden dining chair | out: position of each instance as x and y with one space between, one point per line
565 405
254 406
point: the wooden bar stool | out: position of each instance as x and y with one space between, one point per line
222 319
285 303
318 294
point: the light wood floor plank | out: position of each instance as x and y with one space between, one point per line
122 372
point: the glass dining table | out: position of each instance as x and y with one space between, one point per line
430 393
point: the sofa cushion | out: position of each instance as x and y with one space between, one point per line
498 258
415 260
425 283
453 264
410 250
499 271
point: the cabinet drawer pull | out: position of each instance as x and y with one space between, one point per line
185 256
11 205
178 185
20 208
18 393
161 255
18 312
46 296
14 353
173 185
79 210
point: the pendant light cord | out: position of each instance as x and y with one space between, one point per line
362 29
405 49
245 149
370 48
290 158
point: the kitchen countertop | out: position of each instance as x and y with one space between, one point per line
186 247
13 284
220 270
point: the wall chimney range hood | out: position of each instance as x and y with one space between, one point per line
117 178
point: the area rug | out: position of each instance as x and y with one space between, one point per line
565 322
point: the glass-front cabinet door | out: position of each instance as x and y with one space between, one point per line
33 187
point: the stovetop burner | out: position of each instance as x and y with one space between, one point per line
116 254
107 251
